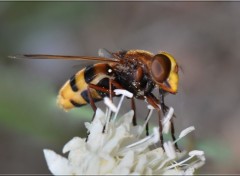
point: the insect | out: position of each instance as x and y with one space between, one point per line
137 71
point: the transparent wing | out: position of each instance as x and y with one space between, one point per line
102 52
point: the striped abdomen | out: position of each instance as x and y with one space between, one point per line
74 92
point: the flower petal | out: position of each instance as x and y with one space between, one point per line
57 164
125 164
173 172
74 144
141 162
107 163
189 171
169 149
114 142
122 148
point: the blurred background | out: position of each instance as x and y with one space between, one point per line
203 37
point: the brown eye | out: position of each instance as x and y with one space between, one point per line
161 67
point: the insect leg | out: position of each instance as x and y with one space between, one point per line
161 101
134 120
173 136
91 100
110 89
92 86
165 109
152 100
92 105
105 90
147 129
117 85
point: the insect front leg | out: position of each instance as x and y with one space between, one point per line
152 100
173 135
161 101
165 109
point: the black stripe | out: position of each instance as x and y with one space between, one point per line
84 95
73 83
76 104
89 73
105 84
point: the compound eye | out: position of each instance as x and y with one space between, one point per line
161 67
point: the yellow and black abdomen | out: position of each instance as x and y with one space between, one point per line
74 92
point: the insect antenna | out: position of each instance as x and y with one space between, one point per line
63 57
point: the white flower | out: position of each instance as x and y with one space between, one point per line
115 146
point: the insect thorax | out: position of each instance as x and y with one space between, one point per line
126 75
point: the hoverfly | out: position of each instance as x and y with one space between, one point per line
137 71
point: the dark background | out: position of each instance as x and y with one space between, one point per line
203 37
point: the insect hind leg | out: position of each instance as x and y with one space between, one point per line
91 100
102 90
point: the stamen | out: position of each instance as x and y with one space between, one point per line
150 107
153 138
110 104
123 92
184 133
168 116
169 149
192 154
118 108
146 121
197 164
166 120
108 116
196 153
180 163
156 135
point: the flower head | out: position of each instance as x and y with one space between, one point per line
115 146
